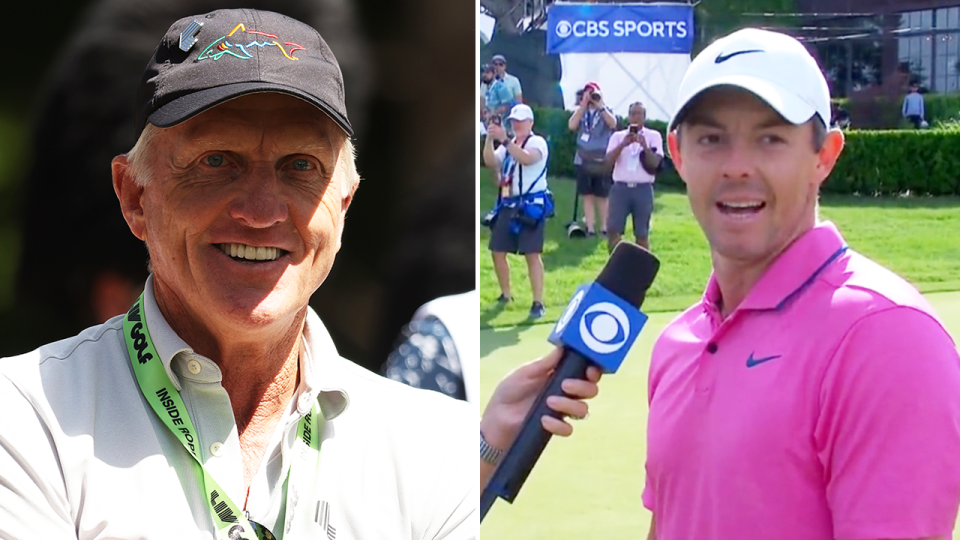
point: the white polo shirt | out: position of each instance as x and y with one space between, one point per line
83 456
534 173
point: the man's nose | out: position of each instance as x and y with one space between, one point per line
740 160
260 202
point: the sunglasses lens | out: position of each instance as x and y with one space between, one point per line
262 532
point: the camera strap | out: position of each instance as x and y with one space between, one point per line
543 172
164 398
510 162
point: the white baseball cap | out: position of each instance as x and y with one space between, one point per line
521 112
774 66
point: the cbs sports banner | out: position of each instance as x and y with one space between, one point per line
609 28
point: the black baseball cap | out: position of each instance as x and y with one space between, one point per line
205 60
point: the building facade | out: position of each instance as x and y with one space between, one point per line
880 46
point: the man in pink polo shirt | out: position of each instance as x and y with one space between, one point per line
811 394
636 153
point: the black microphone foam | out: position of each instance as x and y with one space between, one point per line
629 272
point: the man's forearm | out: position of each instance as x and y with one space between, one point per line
573 124
614 154
651 160
523 157
609 118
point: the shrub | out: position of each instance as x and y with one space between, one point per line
885 111
897 162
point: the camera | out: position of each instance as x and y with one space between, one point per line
495 119
595 96
634 129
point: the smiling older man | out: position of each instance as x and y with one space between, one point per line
203 411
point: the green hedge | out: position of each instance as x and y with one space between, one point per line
885 112
886 162
897 162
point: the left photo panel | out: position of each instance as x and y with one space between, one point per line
240 271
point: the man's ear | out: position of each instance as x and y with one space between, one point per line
350 189
829 153
130 195
673 144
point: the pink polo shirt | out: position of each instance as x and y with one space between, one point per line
628 168
827 405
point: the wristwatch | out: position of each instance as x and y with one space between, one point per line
488 453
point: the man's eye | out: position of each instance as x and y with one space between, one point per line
772 139
214 160
301 165
710 139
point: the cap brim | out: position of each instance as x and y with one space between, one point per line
519 118
787 103
186 107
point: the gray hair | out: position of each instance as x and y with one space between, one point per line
141 155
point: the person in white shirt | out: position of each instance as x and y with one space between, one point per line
218 406
521 164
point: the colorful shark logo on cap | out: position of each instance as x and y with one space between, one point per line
222 46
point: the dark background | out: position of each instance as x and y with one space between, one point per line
70 77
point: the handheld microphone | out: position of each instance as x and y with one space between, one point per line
598 327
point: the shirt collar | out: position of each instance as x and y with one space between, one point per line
790 273
315 365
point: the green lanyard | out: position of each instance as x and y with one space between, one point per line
165 400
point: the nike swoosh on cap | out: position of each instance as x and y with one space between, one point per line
724 57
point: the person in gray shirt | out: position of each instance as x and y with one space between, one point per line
913 106
593 122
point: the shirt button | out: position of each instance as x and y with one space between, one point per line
712 347
216 449
193 366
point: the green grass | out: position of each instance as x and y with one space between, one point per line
589 486
915 237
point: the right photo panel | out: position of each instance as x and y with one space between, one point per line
718 269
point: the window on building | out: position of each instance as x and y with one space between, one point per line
928 47
947 19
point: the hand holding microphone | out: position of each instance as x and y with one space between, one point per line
596 331
515 394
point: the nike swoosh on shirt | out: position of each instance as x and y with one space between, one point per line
724 57
751 362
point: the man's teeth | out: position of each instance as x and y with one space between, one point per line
743 204
251 253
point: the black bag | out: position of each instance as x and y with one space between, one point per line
594 163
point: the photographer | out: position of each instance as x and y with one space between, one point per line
636 154
496 96
523 204
594 122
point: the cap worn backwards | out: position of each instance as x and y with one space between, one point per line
775 67
205 60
